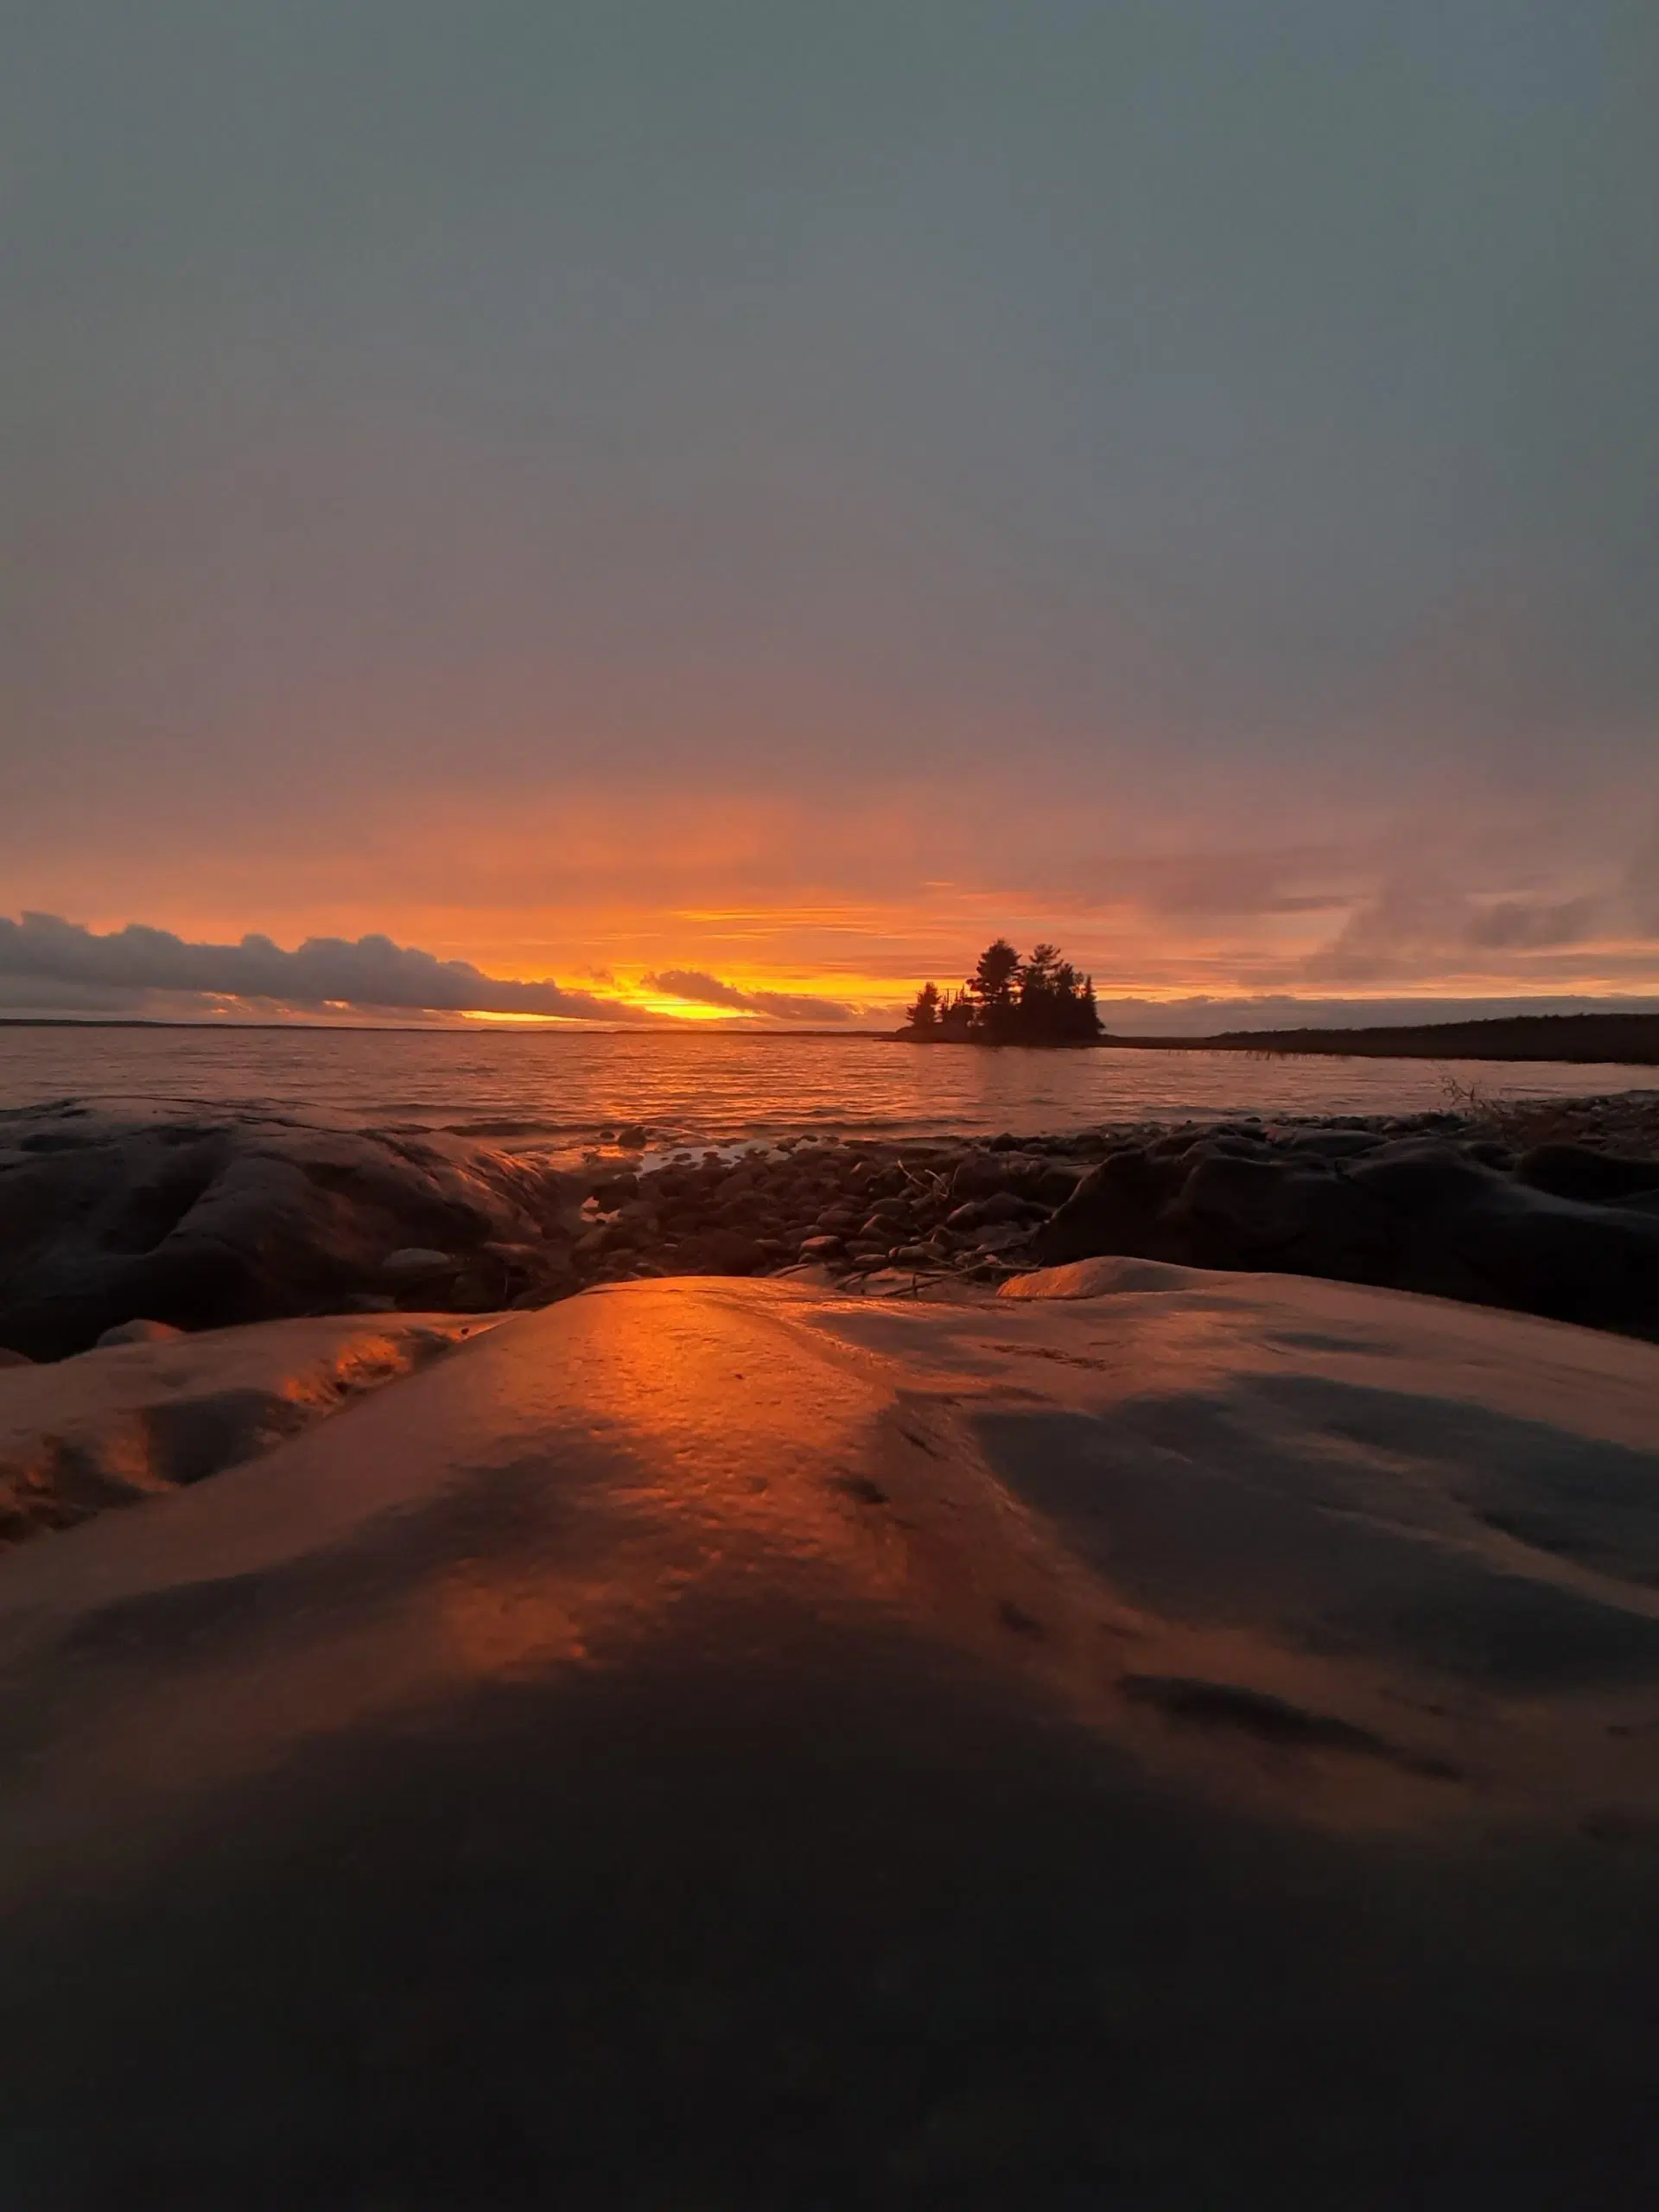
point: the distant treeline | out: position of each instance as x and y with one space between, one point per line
1009 999
1631 1038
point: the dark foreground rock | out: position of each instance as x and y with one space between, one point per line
1186 1743
223 1221
1416 1213
206 1223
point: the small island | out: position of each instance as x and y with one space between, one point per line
1009 999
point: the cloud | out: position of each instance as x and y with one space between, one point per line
782 1006
1421 926
1528 927
369 972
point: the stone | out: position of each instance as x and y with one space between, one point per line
1007 1238
1416 1213
1422 1173
1577 1171
819 1248
1258 1204
1490 1152
985 1213
892 1226
415 1263
889 1282
138 1332
1118 1207
1057 1182
1333 1144
982 1174
632 1138
204 1222
719 1252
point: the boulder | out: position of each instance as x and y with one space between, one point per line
138 1332
1009 1237
1418 1213
1333 1144
415 1263
1577 1171
983 1174
1118 1206
987 1213
1243 1211
202 1222
719 1252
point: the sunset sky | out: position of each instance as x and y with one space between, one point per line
722 507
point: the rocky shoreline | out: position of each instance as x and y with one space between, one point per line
1550 1208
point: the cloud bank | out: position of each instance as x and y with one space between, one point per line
372 973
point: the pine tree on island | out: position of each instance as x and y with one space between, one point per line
924 1016
1009 1001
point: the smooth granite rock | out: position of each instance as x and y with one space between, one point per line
1154 1738
146 1413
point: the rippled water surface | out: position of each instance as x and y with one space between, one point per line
544 1089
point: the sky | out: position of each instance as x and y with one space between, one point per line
717 508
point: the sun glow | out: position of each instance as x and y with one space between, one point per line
685 1009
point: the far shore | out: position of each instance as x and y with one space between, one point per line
1625 1039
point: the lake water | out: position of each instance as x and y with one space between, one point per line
556 1091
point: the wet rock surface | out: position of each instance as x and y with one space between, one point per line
1148 1739
208 1222
152 1410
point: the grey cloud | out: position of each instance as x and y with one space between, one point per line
369 972
695 983
1518 924
1418 925
1221 880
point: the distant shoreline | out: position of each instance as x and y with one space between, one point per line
1621 1040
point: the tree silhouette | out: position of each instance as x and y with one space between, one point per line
991 987
1010 1001
924 1015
